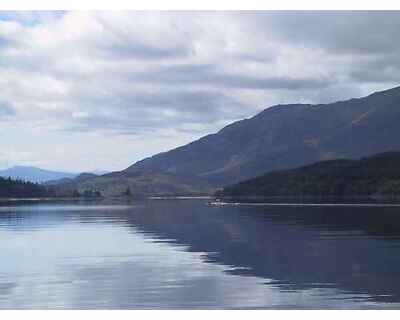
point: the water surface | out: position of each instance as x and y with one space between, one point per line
165 254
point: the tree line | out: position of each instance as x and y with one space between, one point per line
10 188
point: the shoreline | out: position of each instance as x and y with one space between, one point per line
359 201
312 198
304 204
180 197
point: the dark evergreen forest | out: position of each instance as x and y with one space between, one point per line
378 175
10 188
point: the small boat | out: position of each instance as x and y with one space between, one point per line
216 202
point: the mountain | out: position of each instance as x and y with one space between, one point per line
280 137
286 136
378 175
34 174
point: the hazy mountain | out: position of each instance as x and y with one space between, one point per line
378 175
282 136
34 174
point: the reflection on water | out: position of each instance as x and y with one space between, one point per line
185 254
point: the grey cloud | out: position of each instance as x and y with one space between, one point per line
143 113
256 57
362 43
125 50
350 32
389 75
382 68
211 75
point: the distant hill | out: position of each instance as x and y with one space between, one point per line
34 174
139 184
378 175
280 137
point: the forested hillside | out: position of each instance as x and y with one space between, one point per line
378 175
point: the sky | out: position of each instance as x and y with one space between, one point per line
84 91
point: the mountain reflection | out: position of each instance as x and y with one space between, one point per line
354 249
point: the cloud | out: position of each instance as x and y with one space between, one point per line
137 113
159 74
359 44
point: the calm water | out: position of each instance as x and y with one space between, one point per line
185 254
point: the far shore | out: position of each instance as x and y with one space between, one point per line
309 200
105 198
242 200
